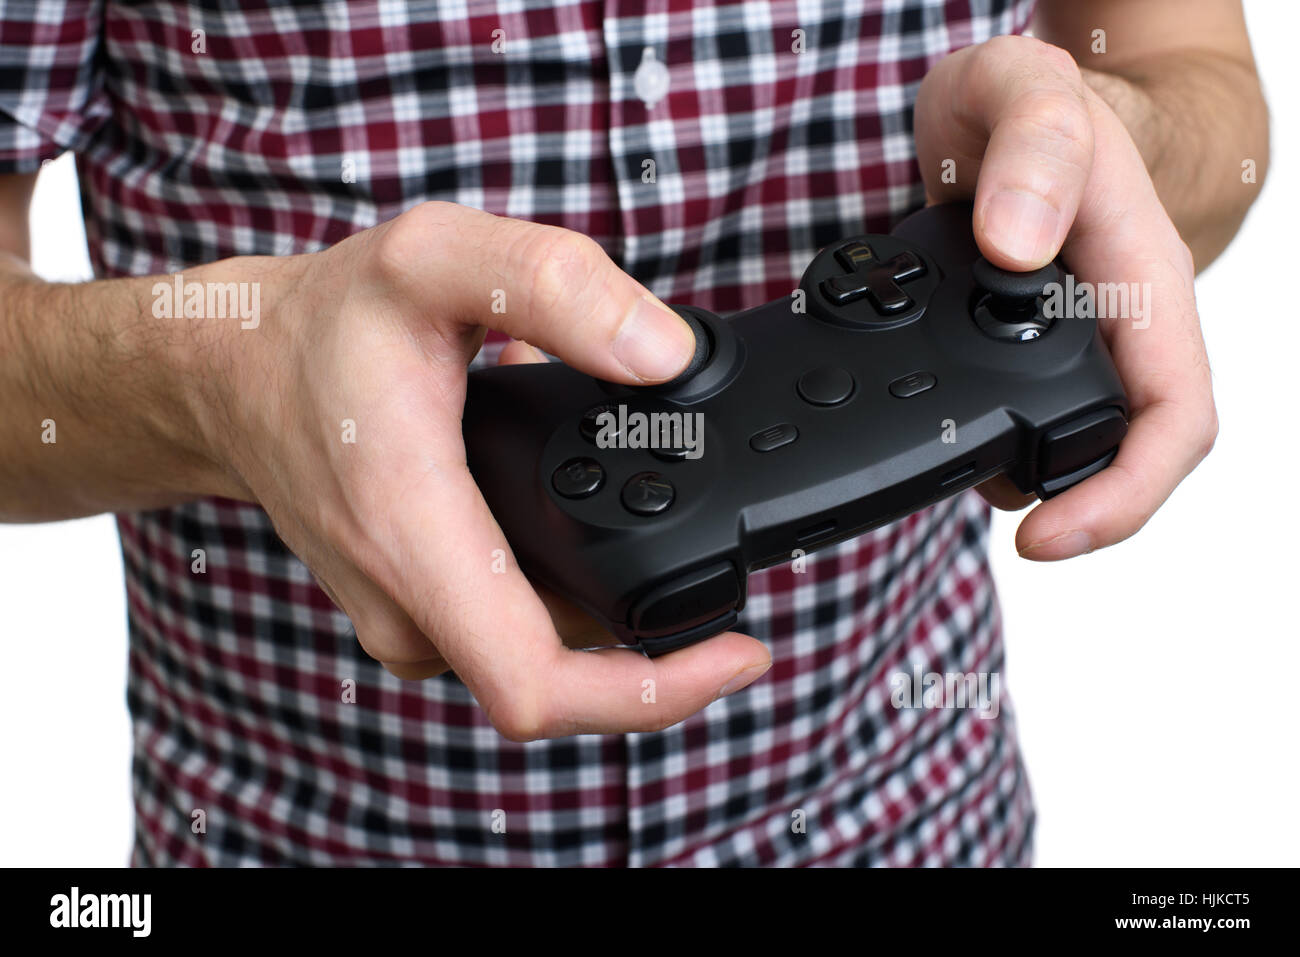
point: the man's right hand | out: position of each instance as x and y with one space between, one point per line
378 332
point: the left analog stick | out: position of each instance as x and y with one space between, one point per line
719 354
703 348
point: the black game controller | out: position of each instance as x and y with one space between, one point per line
905 369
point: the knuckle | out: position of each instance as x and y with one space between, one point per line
1061 61
391 250
1058 122
563 263
1031 55
1001 50
519 717
400 243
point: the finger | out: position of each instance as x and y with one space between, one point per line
552 287
576 627
1123 237
382 628
496 634
517 352
416 670
1011 115
384 631
1115 503
1001 493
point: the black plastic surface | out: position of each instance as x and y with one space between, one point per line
854 466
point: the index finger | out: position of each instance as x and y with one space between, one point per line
496 634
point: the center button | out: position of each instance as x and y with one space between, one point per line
827 385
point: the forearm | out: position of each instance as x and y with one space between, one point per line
101 399
1180 74
1196 119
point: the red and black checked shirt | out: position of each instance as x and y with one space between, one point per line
193 146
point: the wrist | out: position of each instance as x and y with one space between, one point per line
1195 117
209 321
228 372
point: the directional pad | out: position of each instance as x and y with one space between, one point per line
876 280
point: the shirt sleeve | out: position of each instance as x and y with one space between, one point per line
51 84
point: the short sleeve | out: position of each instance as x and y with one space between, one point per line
51 94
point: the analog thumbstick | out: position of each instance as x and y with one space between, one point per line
718 356
1010 305
703 347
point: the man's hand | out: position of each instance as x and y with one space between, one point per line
379 330
1051 168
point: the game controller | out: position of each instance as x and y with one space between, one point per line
904 369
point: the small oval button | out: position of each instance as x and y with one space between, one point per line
773 437
914 384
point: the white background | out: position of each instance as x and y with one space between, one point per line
1155 682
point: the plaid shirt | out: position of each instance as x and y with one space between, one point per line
207 130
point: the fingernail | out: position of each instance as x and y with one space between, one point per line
744 678
653 343
1063 546
538 354
1023 226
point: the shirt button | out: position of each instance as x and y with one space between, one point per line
651 79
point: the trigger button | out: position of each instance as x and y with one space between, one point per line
1050 487
686 601
663 644
1080 441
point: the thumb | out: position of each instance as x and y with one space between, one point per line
1012 118
553 287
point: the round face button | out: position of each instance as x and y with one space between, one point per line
826 385
578 478
670 454
648 493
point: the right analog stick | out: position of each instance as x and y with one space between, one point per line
1010 307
